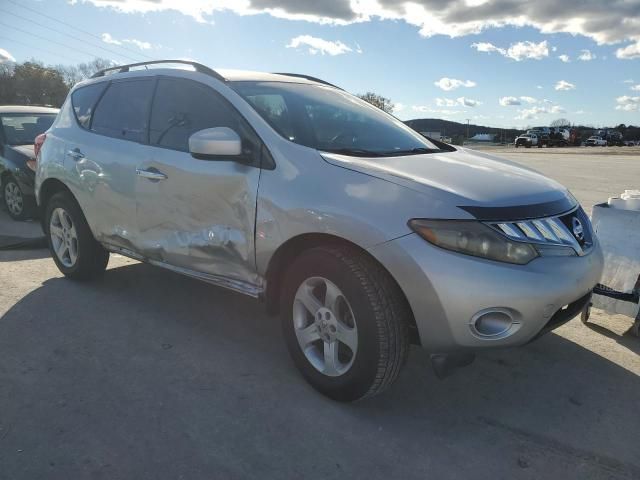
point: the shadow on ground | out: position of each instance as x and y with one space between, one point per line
146 374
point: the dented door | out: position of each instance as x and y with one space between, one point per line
201 216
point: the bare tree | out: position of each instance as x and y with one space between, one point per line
379 101
561 122
73 74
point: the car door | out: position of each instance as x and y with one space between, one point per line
193 214
105 153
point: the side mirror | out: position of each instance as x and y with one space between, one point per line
217 143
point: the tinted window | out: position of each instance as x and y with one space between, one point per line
183 107
22 129
329 119
84 101
123 110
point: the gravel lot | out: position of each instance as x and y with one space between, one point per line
146 374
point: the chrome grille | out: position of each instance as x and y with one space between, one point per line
556 230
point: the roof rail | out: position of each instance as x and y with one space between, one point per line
308 77
197 66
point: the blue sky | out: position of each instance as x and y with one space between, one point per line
447 62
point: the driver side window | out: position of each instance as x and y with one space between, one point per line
182 107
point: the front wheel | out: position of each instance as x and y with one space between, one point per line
345 322
74 250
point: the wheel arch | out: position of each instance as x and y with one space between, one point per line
289 250
48 189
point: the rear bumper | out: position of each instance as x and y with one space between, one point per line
448 292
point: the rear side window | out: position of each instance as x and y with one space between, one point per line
84 101
183 107
123 110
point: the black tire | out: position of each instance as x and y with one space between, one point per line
92 258
381 315
27 206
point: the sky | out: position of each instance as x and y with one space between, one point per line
504 63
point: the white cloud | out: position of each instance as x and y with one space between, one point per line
488 48
629 52
506 101
557 109
399 107
635 88
517 51
604 22
579 112
5 56
529 99
446 102
448 84
528 50
428 109
107 38
462 101
564 85
564 58
539 87
531 113
627 103
468 102
317 45
628 80
586 56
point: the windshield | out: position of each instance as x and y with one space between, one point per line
331 120
22 129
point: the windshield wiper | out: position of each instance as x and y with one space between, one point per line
410 151
354 152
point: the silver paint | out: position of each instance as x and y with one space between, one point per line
222 222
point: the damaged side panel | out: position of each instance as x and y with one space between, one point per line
200 218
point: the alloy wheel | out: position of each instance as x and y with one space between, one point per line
13 198
325 326
64 237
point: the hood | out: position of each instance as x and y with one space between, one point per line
23 150
485 186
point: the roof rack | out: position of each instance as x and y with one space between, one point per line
197 66
308 77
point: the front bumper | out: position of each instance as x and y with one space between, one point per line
447 291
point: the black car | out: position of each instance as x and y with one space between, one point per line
19 127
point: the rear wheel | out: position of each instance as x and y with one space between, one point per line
345 322
19 206
74 250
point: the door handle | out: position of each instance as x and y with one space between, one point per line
151 174
76 154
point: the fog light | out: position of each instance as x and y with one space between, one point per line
492 322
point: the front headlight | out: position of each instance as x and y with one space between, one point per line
473 238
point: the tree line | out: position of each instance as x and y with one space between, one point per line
33 83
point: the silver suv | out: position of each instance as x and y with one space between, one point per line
363 235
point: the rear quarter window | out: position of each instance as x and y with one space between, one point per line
84 101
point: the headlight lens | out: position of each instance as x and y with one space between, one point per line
473 238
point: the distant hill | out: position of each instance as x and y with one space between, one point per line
454 129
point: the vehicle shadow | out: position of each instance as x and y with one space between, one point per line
627 340
146 369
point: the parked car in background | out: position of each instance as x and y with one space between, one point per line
364 235
527 140
596 141
19 127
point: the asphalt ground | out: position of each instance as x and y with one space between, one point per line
146 374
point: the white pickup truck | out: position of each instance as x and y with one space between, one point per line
596 141
527 140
